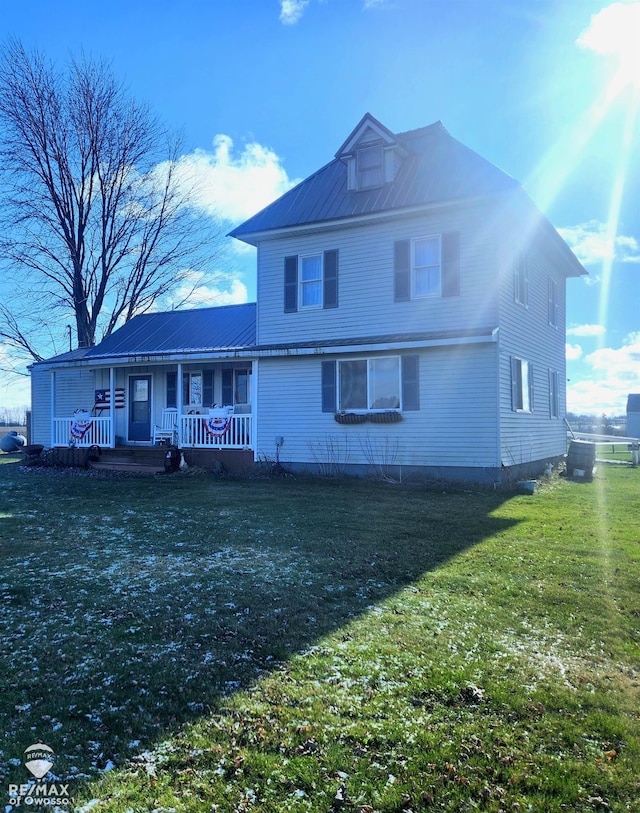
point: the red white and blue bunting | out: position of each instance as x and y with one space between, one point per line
80 424
217 426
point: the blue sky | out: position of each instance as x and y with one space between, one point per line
265 91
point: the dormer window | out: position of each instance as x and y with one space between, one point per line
370 166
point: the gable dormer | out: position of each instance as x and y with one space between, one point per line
372 155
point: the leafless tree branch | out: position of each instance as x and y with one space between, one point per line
94 217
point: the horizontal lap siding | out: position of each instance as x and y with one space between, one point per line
526 333
455 426
74 389
366 282
41 407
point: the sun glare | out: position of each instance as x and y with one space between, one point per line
615 32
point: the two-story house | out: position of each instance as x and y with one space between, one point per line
410 319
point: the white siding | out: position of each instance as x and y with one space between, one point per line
366 281
455 426
525 332
41 406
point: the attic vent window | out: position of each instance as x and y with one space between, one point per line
370 163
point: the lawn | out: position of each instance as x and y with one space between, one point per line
187 643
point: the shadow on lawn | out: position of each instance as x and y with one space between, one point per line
132 606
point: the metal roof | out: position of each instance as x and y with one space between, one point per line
429 336
227 327
436 168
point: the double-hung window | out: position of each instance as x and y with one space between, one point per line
192 389
311 281
425 267
521 385
370 166
554 394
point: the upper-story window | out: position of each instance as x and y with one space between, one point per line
370 166
311 281
310 294
427 266
553 302
521 280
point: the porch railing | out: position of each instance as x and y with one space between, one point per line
199 433
89 431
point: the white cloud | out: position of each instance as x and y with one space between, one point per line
613 30
292 10
586 330
573 352
592 244
614 373
234 185
211 290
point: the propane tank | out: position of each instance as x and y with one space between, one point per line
12 442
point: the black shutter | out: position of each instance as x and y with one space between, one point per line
172 390
451 263
329 386
207 388
402 270
227 387
330 298
410 382
290 284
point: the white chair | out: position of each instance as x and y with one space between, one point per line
168 430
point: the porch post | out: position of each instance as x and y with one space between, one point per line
52 402
254 408
179 402
112 408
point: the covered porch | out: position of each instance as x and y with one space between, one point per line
196 405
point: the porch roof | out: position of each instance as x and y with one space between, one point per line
226 327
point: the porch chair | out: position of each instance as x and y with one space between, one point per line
168 430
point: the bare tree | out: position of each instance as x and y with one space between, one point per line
95 222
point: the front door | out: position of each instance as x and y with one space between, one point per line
140 407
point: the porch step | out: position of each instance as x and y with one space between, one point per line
143 460
127 465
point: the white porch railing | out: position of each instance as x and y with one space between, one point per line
197 433
91 431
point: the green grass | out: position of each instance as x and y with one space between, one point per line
185 643
614 451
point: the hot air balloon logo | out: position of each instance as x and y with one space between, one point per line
38 759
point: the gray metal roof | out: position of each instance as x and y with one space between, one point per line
227 327
436 168
425 336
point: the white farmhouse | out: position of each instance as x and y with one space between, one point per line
410 319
